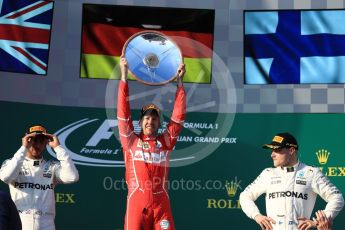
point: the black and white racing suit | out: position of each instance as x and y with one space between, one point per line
291 194
32 184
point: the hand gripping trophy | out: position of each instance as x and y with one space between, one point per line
155 60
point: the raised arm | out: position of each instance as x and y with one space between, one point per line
175 124
11 167
125 124
66 172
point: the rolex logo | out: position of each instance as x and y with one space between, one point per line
322 156
232 186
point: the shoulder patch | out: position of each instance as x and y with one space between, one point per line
52 162
5 162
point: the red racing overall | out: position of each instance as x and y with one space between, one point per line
147 166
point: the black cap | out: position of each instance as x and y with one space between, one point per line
150 109
39 129
282 140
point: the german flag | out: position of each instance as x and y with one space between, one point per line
106 29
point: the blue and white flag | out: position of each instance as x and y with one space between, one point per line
294 46
25 27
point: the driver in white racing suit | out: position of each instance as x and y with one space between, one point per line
32 179
291 189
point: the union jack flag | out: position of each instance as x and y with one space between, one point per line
25 27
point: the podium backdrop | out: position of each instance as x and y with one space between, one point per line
204 191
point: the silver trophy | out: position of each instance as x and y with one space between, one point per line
152 57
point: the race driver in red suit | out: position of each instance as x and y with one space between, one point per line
147 157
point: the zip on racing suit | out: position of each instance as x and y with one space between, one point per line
32 184
291 193
147 166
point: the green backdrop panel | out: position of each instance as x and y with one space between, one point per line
204 193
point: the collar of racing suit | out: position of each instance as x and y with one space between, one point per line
290 168
34 162
146 138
